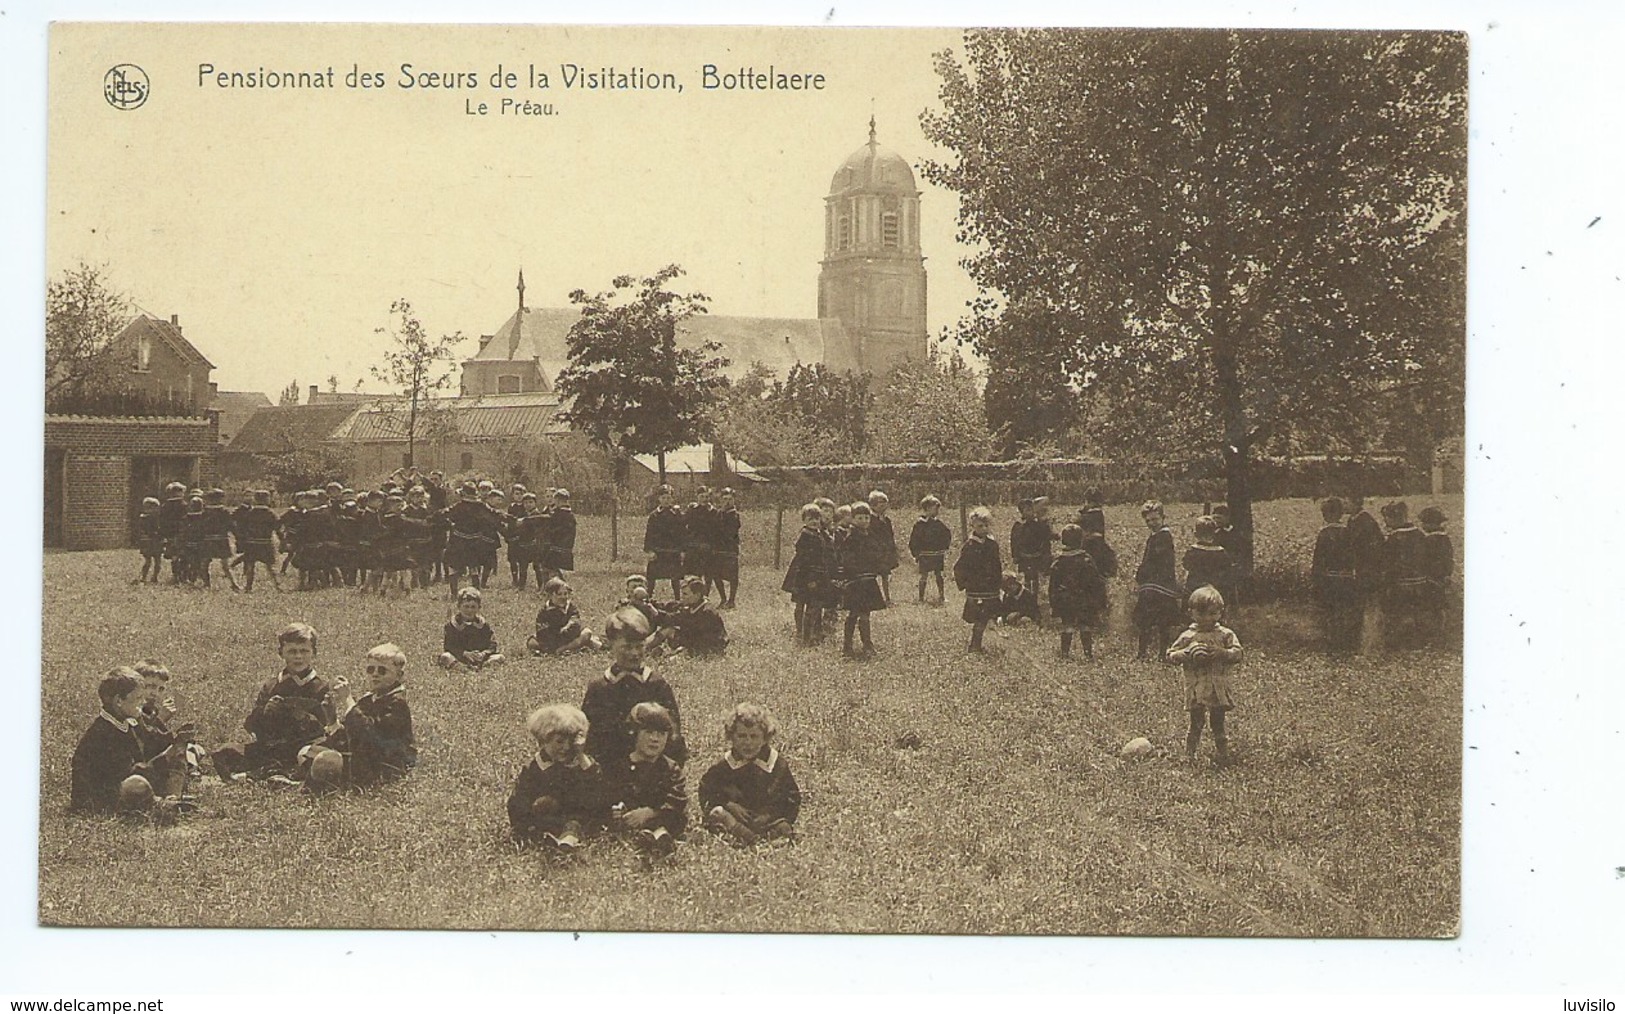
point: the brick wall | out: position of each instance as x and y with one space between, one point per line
97 458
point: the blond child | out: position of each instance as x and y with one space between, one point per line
1207 651
558 797
750 794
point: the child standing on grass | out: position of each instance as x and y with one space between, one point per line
372 742
1207 651
1439 567
1077 593
557 799
291 711
1332 580
469 640
863 559
628 682
1030 539
725 549
1207 562
928 543
881 530
254 526
1156 608
556 548
750 793
149 541
1405 589
559 629
807 575
979 573
663 541
648 799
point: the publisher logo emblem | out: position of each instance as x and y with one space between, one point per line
126 86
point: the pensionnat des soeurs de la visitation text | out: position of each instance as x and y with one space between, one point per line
533 77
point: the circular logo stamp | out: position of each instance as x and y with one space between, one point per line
126 86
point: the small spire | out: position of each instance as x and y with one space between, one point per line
871 129
521 286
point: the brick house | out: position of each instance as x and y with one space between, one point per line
98 468
151 357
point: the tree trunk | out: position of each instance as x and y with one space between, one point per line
660 460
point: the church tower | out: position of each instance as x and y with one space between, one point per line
873 276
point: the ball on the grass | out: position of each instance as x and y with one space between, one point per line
1136 748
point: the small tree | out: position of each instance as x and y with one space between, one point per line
632 388
929 411
416 365
290 394
82 317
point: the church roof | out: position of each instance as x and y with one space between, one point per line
778 343
873 168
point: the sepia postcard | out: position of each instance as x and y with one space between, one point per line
1131 364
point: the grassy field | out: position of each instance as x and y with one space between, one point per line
1341 817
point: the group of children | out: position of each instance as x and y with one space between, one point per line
404 534
1407 571
700 540
615 763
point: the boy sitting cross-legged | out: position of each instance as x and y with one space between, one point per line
372 742
750 793
291 711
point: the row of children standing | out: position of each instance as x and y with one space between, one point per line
844 559
308 731
1407 571
700 540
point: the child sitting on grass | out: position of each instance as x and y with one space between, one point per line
693 626
627 682
157 730
1018 604
750 793
372 742
109 774
469 641
290 712
558 798
559 630
645 788
637 597
1207 651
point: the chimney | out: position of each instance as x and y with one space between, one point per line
214 390
485 339
175 321
314 390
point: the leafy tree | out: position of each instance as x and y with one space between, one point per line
929 411
304 468
812 417
417 366
83 315
632 388
1033 397
290 394
1241 231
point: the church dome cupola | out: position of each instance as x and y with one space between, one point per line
874 169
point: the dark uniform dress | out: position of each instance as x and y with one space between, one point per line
861 559
473 530
393 545
148 536
1439 567
556 549
699 630
1332 580
725 546
255 527
1077 592
1157 587
1030 548
632 784
376 739
978 573
460 638
1405 590
557 626
170 513
699 522
609 701
317 541
108 753
524 541
280 730
575 793
1365 535
881 529
1210 565
663 541
763 786
928 543
807 577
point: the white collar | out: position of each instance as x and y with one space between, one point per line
582 762
766 765
121 724
641 674
458 621
300 681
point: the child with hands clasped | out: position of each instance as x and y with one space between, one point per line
559 629
469 640
1207 650
750 793
649 800
558 798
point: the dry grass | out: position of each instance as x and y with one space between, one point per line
1341 818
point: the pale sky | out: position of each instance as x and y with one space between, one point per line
281 224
